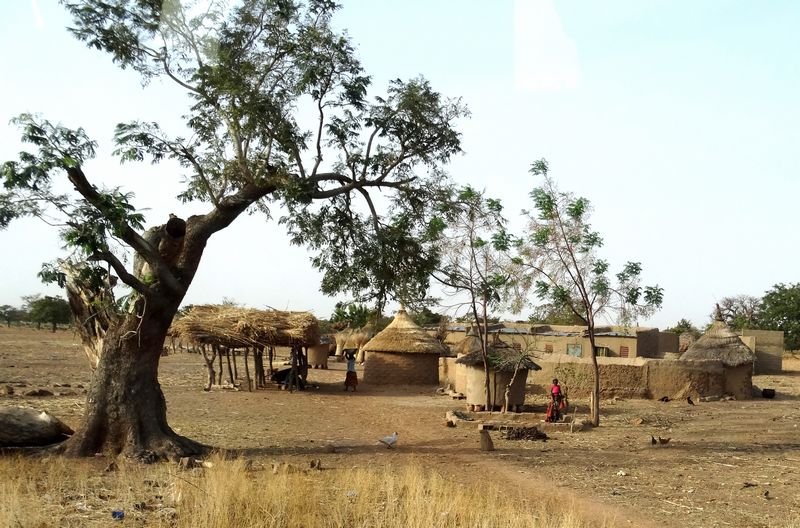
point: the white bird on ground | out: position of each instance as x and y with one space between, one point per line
389 441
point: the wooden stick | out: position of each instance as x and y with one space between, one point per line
247 370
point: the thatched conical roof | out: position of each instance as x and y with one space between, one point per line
501 356
720 342
404 336
235 327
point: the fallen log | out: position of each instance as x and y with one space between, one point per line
25 427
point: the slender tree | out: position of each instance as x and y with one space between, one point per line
248 70
558 259
475 263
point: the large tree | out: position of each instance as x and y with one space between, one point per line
738 311
249 71
780 310
51 310
559 260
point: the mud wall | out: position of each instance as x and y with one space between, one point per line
641 378
476 386
384 368
768 349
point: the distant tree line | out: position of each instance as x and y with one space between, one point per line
39 310
777 309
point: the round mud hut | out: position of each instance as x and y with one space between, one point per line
722 344
402 354
503 361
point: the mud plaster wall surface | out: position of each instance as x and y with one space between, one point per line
476 389
384 368
640 378
768 348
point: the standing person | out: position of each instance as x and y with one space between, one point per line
556 397
351 378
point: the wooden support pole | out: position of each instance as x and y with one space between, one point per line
219 358
230 367
247 370
235 370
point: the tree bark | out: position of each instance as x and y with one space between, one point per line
126 412
594 414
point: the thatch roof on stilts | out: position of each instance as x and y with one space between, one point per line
236 327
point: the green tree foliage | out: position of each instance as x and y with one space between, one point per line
250 71
548 313
558 259
780 310
10 314
350 315
684 325
425 317
49 310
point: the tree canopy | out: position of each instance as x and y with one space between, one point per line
357 183
780 310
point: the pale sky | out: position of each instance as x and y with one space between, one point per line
678 120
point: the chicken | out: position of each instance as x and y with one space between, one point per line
663 441
664 399
653 440
689 400
389 441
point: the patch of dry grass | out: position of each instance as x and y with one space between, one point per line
236 493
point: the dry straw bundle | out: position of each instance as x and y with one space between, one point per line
403 335
236 327
720 343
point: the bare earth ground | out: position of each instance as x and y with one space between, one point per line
697 480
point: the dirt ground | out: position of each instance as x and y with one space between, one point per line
722 459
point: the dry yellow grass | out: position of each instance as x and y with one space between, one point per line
233 493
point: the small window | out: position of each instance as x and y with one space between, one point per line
623 351
548 348
574 350
603 351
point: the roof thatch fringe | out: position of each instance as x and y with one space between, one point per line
403 335
236 327
720 343
502 357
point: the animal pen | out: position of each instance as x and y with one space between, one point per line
219 332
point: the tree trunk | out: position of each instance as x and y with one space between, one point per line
125 409
55 326
594 412
485 349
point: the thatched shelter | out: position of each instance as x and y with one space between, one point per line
720 343
503 361
224 328
236 327
403 353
